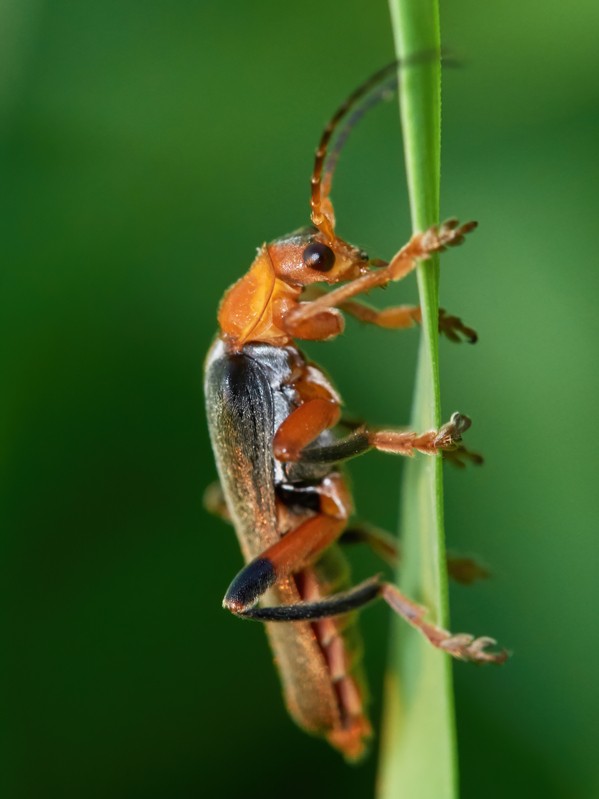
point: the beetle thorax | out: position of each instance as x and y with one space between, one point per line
254 307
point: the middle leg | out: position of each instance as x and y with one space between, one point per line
437 238
399 442
402 317
398 317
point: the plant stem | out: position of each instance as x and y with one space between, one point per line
419 754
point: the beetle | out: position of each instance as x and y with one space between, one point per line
274 419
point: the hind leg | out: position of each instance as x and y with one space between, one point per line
461 569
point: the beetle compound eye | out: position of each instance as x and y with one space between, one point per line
318 256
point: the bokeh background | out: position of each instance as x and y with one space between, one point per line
147 149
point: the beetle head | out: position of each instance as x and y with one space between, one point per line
306 256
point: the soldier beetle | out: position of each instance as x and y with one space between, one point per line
273 418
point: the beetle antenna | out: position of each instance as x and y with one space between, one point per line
360 101
384 92
322 212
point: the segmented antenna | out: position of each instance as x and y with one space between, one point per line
381 93
371 92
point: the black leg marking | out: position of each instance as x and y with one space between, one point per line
334 605
350 446
249 585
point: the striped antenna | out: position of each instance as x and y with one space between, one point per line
359 102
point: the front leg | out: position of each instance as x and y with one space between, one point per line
419 248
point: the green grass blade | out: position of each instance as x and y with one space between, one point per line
419 755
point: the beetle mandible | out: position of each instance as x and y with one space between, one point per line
272 417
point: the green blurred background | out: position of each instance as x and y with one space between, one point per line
147 149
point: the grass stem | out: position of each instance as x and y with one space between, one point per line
419 754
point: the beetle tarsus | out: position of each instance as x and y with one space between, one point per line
451 432
454 329
460 456
466 570
448 234
433 442
462 646
475 650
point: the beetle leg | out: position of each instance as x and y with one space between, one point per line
350 422
462 646
326 323
333 605
380 541
419 248
466 570
452 327
288 555
303 425
398 317
402 317
397 442
296 549
214 501
433 442
460 456
461 569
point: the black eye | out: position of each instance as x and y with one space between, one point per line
318 256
